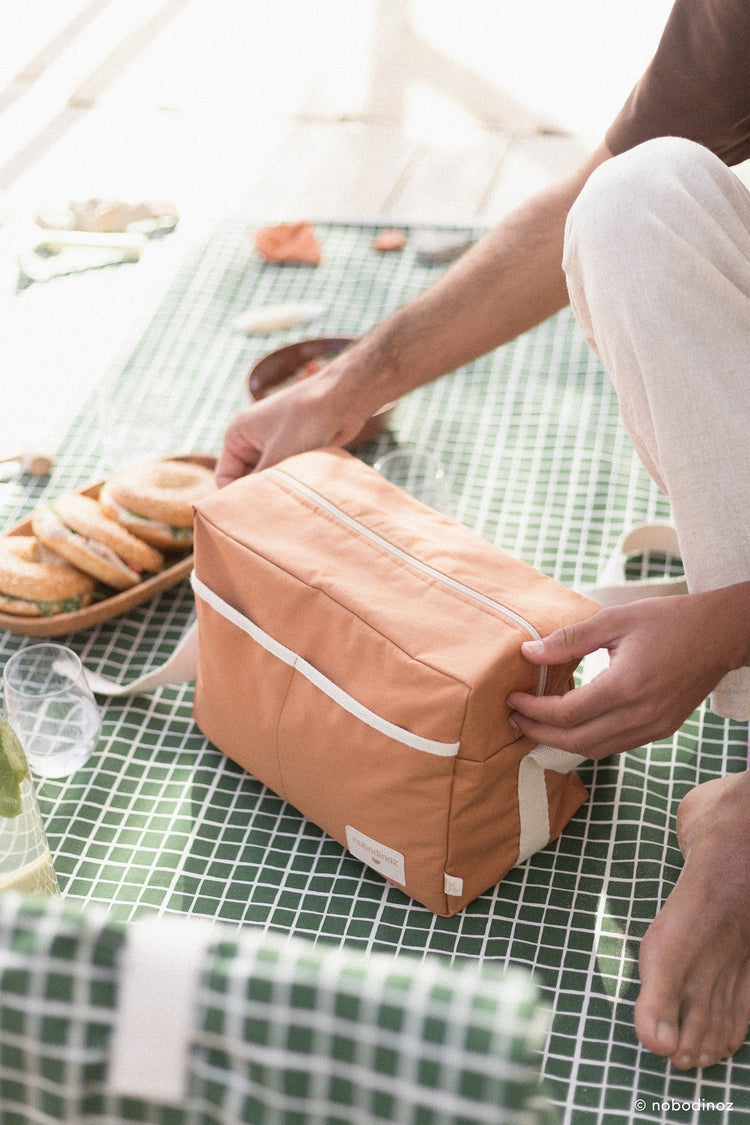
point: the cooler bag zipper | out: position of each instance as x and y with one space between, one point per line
445 579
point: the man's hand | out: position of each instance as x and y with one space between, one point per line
666 655
298 418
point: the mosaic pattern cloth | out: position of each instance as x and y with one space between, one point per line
539 463
279 1032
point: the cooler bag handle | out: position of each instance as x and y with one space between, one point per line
614 588
180 668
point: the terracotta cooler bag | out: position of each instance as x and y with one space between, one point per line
356 649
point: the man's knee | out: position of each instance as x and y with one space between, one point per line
652 183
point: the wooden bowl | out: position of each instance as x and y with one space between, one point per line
285 365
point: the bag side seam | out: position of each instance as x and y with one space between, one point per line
276 734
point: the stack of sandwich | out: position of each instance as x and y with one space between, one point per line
83 546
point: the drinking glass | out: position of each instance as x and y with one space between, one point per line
135 430
51 708
418 473
25 859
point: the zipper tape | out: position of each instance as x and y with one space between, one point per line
417 564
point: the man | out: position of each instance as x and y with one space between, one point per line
657 257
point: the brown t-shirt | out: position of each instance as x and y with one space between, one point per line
698 83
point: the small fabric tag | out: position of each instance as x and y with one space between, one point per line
453 885
387 861
158 981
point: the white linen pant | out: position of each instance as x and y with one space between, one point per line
657 257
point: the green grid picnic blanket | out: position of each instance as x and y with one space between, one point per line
280 1032
538 462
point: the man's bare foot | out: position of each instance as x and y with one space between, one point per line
694 1004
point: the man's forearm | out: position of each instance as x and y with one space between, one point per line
730 606
509 281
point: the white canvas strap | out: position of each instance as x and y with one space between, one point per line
614 588
158 985
323 683
180 668
183 663
533 806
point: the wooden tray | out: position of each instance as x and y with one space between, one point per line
59 624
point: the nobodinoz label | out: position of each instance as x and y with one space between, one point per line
387 861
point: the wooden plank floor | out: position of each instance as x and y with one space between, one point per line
278 109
